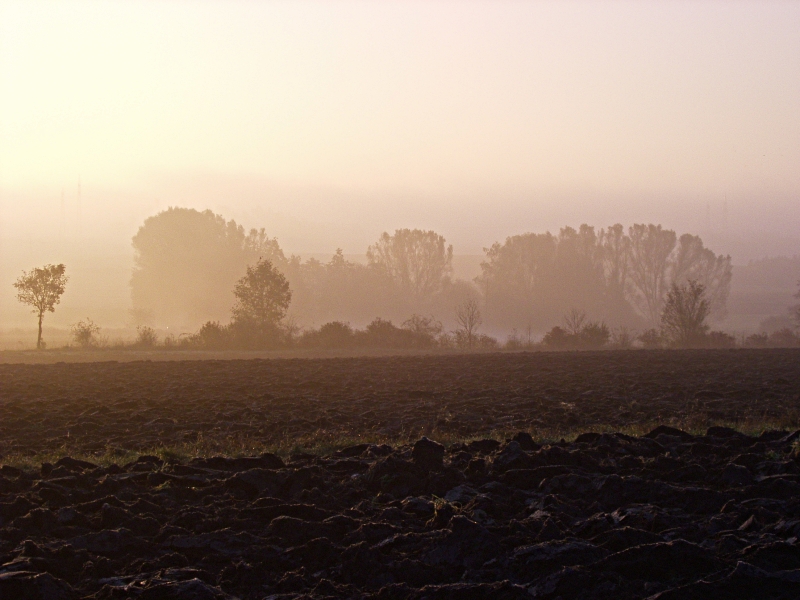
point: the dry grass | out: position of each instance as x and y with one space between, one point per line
322 443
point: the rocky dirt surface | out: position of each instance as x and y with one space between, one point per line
666 514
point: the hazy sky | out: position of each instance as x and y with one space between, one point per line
327 122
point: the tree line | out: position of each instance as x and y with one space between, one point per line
194 268
187 262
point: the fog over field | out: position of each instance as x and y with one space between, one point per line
328 124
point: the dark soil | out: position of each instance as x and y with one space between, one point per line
663 515
277 403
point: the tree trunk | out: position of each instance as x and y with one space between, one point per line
39 339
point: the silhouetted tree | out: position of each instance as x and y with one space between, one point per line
574 321
693 261
650 249
262 298
615 252
42 289
424 327
686 309
468 318
531 277
418 262
186 263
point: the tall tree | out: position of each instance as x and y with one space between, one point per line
186 263
649 250
683 321
468 318
615 248
42 289
693 261
418 262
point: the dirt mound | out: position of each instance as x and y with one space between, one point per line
667 515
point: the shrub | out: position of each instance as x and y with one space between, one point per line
557 339
426 330
212 336
784 338
331 335
622 338
594 336
486 342
146 337
84 333
651 339
757 340
720 339
577 334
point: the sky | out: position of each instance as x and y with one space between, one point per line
330 122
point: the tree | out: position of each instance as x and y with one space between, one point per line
695 261
686 309
468 317
574 321
649 250
418 262
186 264
42 288
262 297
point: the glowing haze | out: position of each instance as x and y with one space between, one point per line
330 122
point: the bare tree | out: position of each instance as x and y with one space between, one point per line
42 288
574 321
686 309
417 261
468 317
650 249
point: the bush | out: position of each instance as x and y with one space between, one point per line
212 336
426 330
651 339
622 338
757 340
331 335
486 342
578 336
146 337
557 339
720 339
84 333
594 336
784 338
517 342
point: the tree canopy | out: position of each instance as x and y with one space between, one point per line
186 263
610 274
262 297
417 262
42 289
